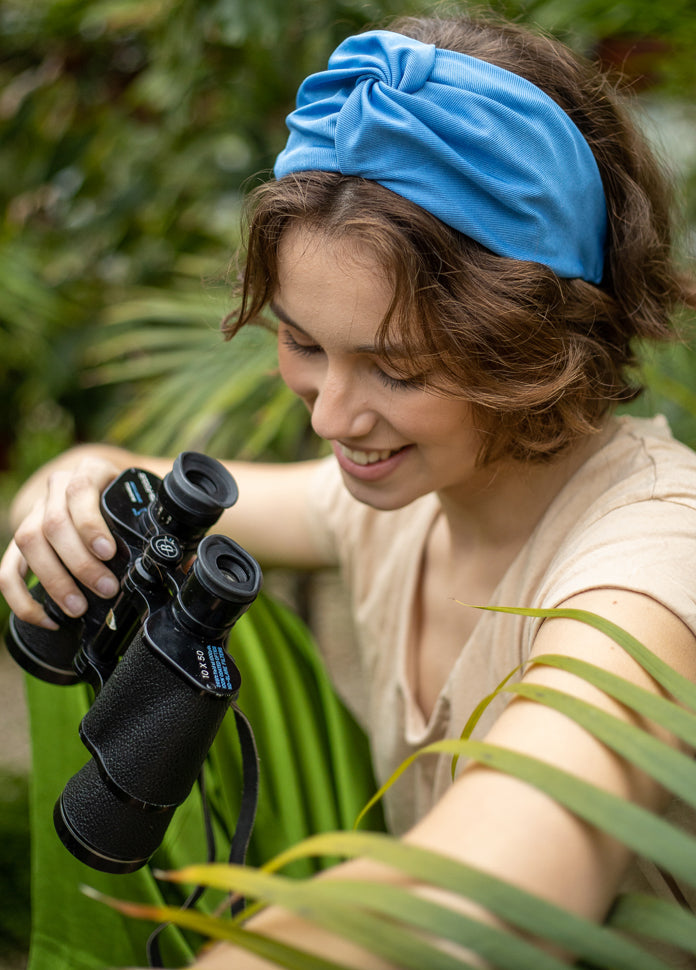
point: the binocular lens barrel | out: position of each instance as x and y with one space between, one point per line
103 830
46 654
224 581
151 726
192 496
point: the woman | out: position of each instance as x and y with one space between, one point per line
464 239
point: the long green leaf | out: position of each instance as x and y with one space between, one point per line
532 915
671 768
655 918
214 928
502 949
640 830
478 712
679 686
335 904
396 943
144 368
661 710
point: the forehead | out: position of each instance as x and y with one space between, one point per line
320 275
311 251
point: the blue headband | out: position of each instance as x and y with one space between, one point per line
484 150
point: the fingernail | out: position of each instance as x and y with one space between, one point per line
48 624
108 586
75 605
102 548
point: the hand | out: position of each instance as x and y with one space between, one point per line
62 536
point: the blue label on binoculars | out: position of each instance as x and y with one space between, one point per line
134 493
213 666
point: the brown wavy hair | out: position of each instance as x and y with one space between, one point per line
541 360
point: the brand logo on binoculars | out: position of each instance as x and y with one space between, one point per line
166 546
212 664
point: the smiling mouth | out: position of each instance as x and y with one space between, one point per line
368 457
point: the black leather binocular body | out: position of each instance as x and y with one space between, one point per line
155 656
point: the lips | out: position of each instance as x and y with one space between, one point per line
367 457
370 465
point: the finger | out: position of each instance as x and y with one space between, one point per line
75 528
54 551
13 571
49 569
82 495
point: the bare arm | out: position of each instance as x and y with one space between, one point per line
508 828
60 533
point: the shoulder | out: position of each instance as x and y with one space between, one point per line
640 460
627 521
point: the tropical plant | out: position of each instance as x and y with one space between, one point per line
230 423
130 132
413 932
189 391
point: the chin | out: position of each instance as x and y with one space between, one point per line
378 497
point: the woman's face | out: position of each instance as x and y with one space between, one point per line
394 440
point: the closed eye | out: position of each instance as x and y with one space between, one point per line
311 350
400 383
415 382
303 350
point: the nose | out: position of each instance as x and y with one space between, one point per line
340 406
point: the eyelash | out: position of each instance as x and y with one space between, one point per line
310 350
304 350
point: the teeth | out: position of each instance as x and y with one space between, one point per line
366 457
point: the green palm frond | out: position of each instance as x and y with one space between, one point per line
411 932
185 387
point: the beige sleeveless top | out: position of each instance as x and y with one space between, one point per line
626 519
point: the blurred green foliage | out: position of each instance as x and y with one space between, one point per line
129 132
14 872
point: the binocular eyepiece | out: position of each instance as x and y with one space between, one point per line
155 656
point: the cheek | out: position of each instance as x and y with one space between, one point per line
445 422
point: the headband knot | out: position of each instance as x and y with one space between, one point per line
481 148
405 67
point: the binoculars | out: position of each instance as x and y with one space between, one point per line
154 654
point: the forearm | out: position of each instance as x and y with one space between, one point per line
35 487
290 929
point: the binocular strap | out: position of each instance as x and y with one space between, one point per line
242 832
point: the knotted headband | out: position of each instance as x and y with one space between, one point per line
484 150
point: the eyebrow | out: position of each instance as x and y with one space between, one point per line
360 349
